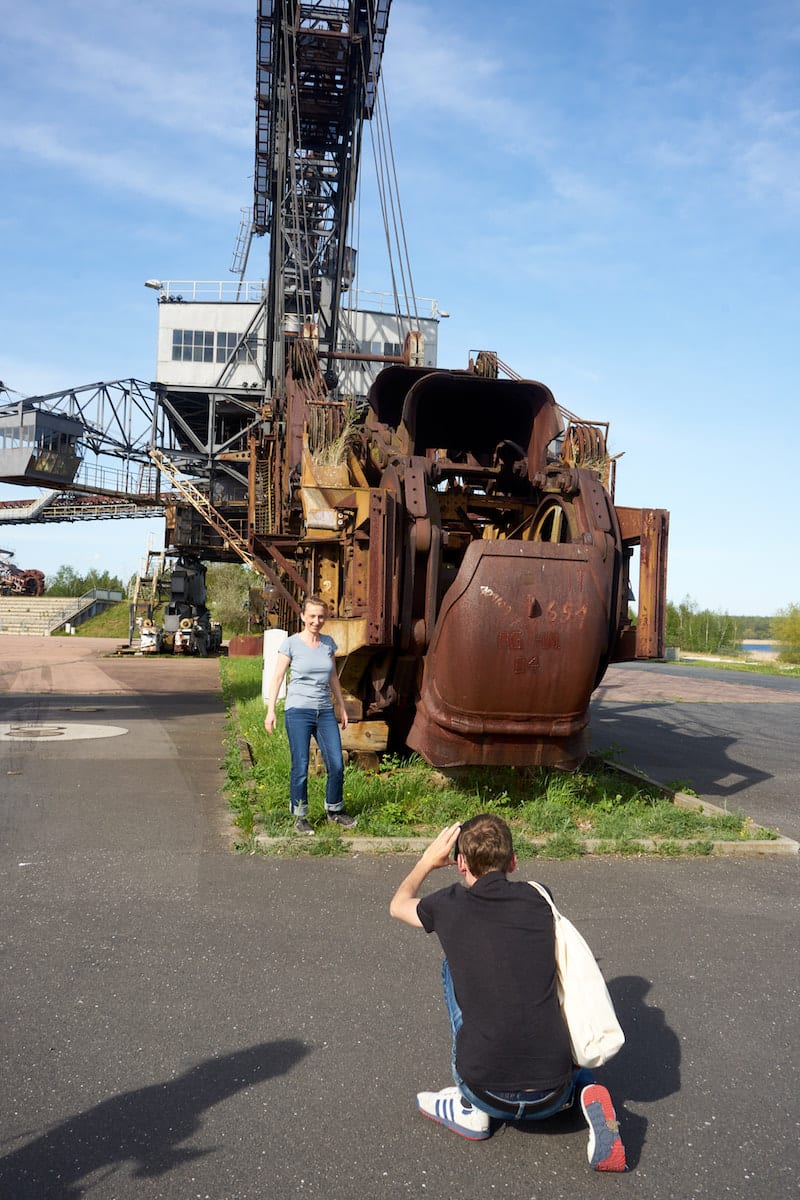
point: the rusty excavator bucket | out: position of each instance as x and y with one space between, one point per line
514 586
516 652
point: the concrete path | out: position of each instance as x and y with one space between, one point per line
90 666
181 1022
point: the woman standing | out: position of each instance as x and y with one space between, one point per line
311 656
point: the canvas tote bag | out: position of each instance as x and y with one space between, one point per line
587 1008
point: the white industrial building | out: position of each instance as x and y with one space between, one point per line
212 333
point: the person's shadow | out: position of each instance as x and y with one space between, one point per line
647 1067
144 1127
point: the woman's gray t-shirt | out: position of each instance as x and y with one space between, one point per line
311 667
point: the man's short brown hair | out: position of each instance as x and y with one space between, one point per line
486 844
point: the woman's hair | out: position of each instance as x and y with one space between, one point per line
486 844
316 602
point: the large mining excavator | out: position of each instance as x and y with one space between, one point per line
475 564
460 524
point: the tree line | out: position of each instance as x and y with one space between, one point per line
67 582
707 632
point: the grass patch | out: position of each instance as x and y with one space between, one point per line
408 798
114 622
783 670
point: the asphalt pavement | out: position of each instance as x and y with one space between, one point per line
730 737
184 1022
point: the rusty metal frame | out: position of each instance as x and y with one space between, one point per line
648 528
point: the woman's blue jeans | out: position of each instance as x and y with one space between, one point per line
301 723
581 1076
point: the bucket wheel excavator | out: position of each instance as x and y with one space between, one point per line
464 532
460 524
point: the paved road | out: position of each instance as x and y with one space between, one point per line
730 736
181 1022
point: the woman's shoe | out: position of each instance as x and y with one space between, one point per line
342 818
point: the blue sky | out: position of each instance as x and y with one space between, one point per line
606 193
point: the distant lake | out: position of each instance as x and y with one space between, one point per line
750 647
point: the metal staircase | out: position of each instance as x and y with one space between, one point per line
202 504
232 539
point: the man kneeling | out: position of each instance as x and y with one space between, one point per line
511 1050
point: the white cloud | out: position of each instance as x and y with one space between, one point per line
772 173
767 156
151 104
161 180
437 75
136 71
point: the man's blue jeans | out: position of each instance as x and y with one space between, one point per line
301 723
581 1076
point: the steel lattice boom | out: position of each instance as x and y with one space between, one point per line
317 76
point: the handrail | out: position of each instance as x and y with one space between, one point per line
202 504
253 291
79 603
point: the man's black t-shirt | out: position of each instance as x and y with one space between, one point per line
498 939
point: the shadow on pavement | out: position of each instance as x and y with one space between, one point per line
144 1127
690 752
165 706
646 1069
